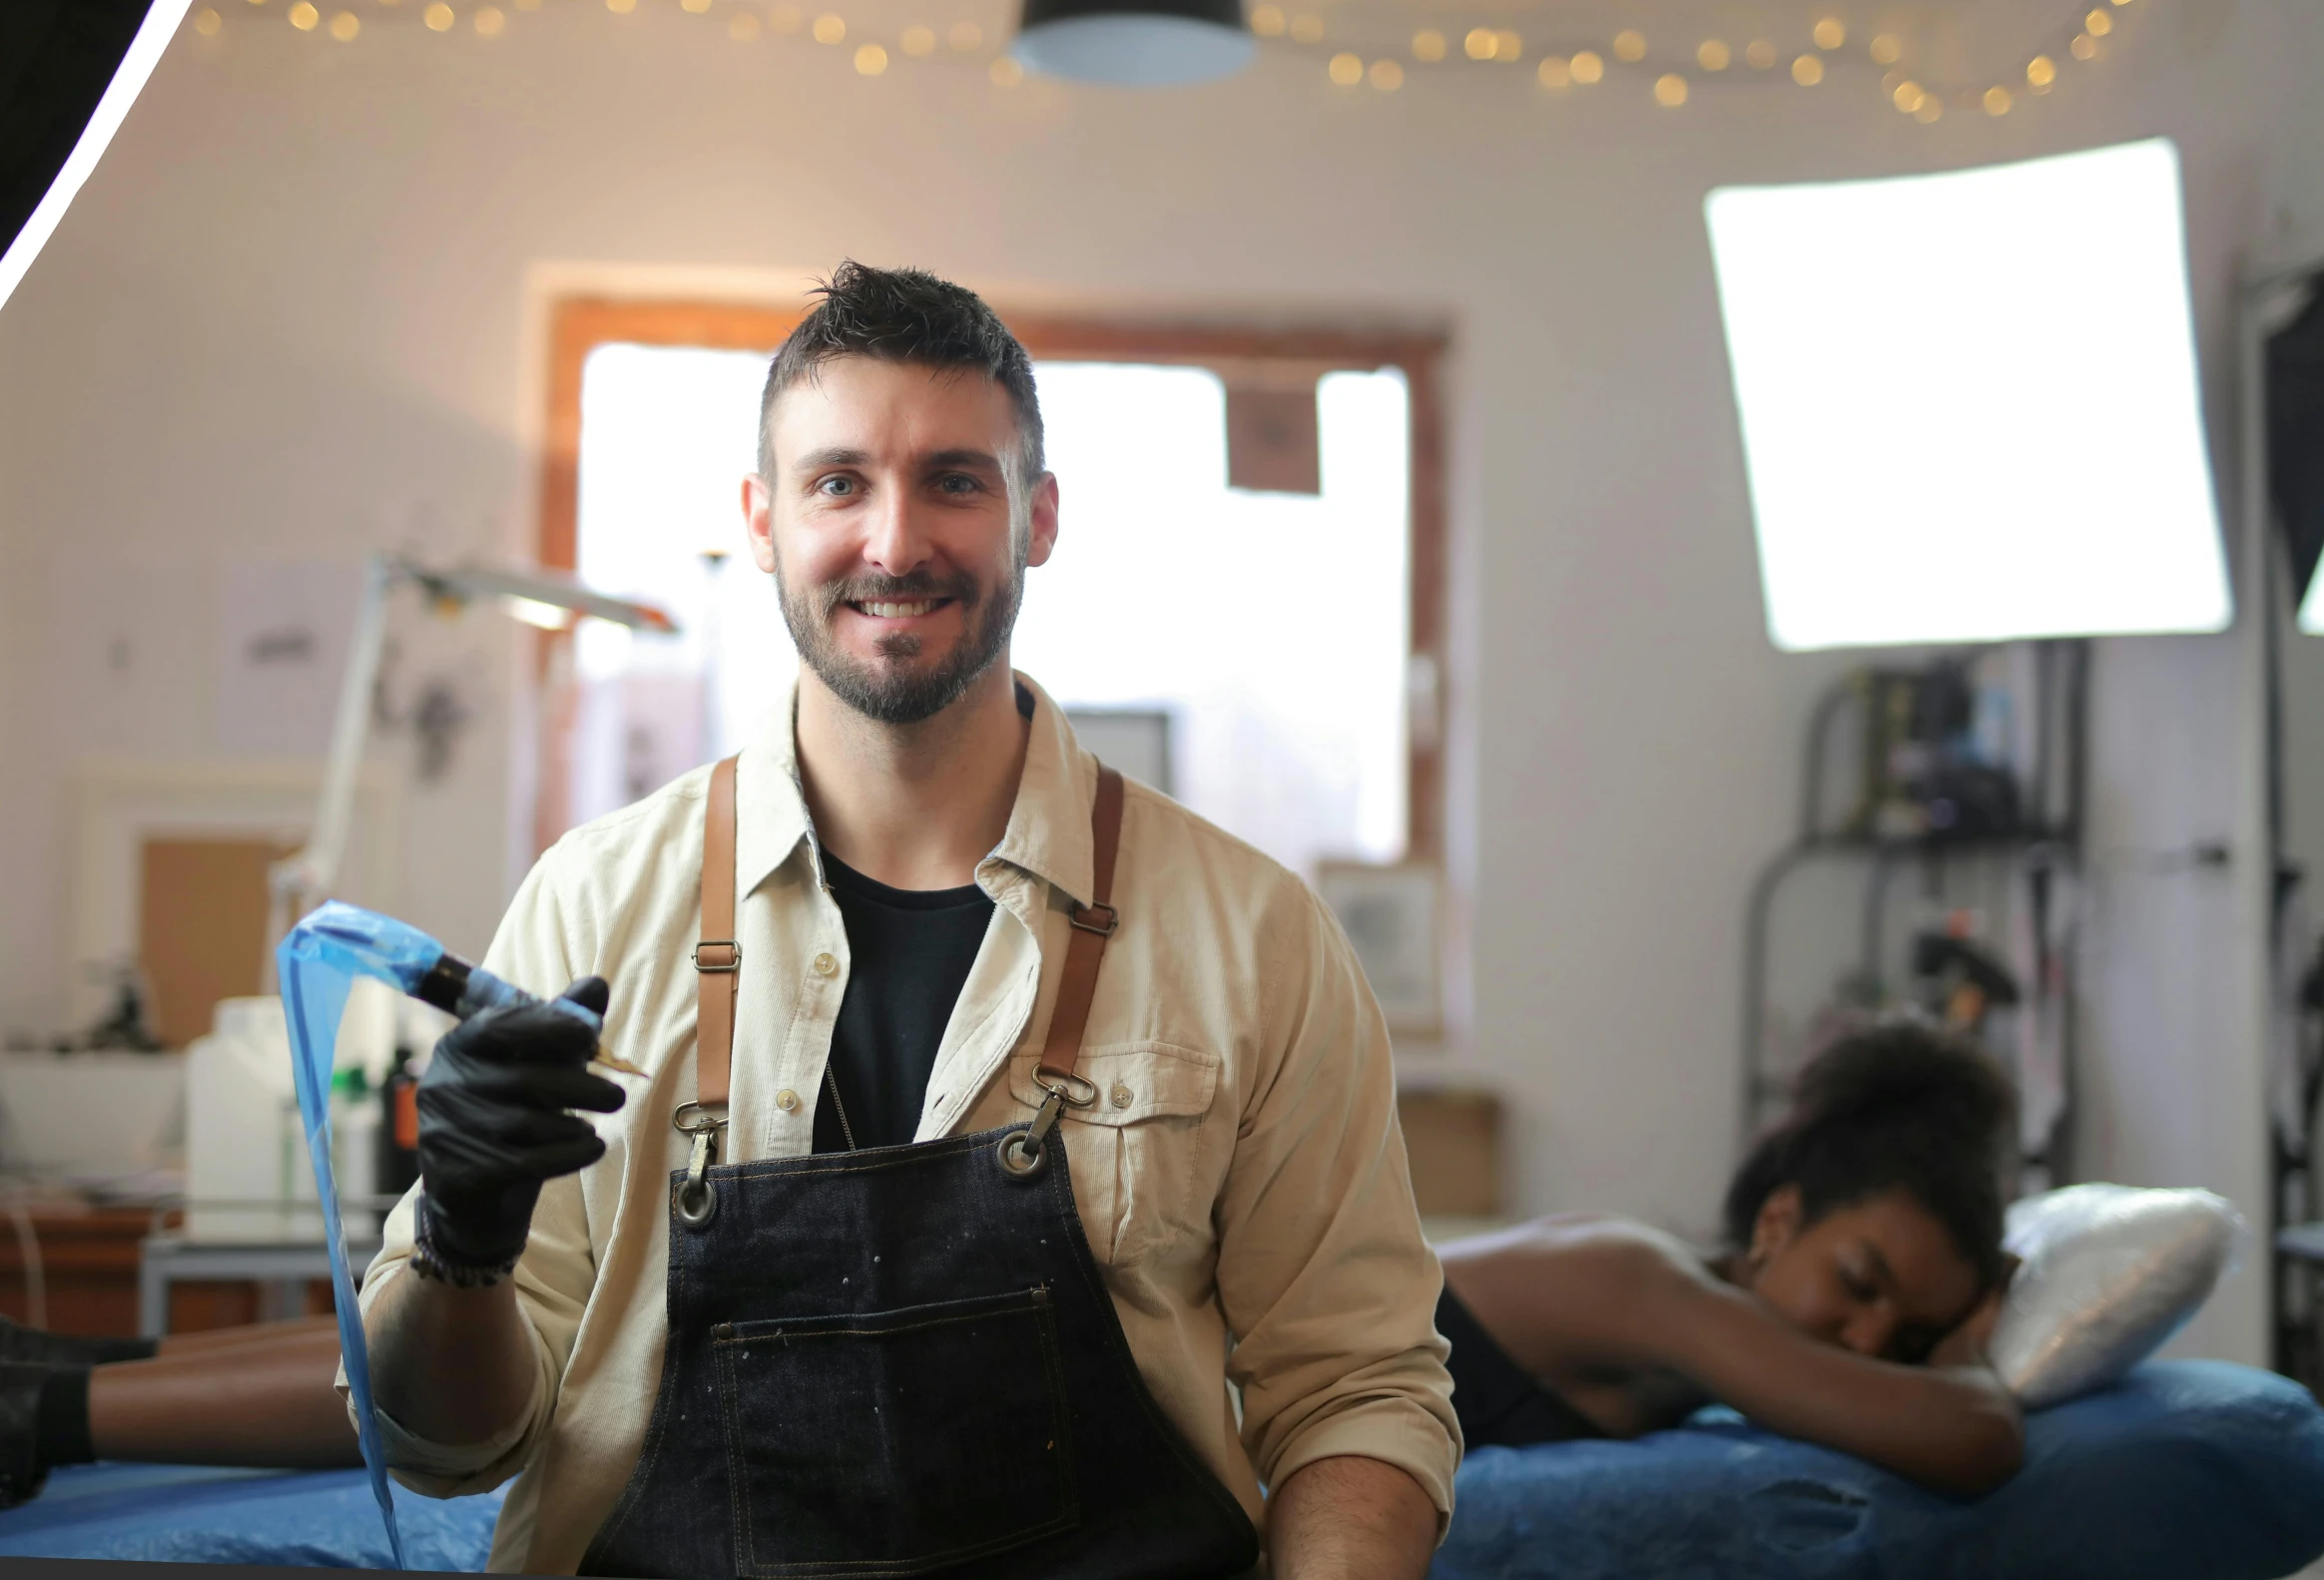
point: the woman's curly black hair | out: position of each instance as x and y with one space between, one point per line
1898 1106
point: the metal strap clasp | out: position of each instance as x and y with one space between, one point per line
721 964
1022 1152
705 1122
1100 919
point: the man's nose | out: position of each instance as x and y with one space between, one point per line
892 538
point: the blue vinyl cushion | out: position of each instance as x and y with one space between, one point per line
2185 1470
188 1514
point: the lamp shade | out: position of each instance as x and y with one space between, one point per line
1135 43
69 70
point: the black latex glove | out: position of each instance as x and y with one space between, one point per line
493 1123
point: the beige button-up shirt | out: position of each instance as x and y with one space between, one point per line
1242 1180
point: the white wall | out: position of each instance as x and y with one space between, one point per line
287 318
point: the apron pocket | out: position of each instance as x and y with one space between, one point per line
894 1442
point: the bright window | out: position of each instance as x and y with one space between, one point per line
1270 629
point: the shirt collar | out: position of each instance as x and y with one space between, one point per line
1048 831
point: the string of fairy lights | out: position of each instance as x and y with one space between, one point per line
1672 74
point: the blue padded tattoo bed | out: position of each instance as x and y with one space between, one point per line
187 1514
2188 1470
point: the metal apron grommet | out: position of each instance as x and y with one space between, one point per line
1020 1157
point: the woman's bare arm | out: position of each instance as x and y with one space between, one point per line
1951 1426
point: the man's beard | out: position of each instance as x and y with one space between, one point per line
892 693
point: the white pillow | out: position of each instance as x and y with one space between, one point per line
2109 1273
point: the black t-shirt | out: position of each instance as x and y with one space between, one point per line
910 951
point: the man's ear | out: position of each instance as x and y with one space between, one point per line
1778 1223
1041 535
759 521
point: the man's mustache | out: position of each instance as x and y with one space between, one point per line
893 589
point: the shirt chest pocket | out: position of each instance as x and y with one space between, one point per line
1141 1153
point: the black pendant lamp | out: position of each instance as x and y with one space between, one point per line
1135 43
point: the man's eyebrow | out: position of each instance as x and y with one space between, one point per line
816 461
962 457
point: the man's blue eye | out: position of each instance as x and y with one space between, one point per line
837 485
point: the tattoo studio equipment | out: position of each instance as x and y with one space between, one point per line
1966 775
319 963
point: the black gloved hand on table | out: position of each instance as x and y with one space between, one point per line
493 1125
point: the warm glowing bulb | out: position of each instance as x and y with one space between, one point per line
1588 67
918 40
1386 75
871 60
305 16
1808 70
345 26
1267 20
2041 71
1888 49
1928 109
743 27
829 29
206 22
438 17
1428 44
1554 74
2084 46
1630 45
1907 96
491 21
623 6
1831 33
1670 90
1005 72
1713 55
2101 22
1760 53
695 6
1307 28
1346 70
1478 44
1997 101
965 36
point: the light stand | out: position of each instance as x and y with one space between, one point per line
535 597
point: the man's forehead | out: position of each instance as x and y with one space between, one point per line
867 403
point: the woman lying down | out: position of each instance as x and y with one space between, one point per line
1851 1308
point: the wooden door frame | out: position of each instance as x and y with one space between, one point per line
579 324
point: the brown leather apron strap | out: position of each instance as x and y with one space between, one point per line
717 958
1093 925
718 966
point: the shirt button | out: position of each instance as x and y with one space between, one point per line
1121 1095
787 1100
826 965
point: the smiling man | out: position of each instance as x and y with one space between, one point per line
1005 1126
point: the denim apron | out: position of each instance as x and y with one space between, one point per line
903 1360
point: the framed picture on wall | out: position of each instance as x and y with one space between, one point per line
1391 916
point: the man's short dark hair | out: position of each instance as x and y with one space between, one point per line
904 316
